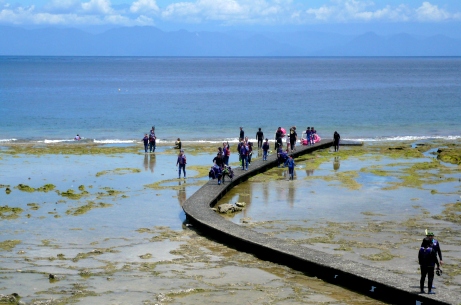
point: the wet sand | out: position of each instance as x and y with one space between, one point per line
107 223
370 205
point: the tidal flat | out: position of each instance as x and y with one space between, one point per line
102 224
370 204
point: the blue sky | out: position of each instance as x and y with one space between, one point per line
210 14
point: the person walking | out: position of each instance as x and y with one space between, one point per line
291 167
244 155
336 138
146 142
427 258
265 149
182 164
259 137
226 152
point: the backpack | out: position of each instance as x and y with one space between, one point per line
425 256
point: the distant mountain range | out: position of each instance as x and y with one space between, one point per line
151 41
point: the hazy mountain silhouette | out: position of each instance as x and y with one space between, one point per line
151 41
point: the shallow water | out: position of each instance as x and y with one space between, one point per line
135 249
377 219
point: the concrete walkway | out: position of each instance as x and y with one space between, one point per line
376 283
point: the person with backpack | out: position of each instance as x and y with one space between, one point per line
265 149
427 258
182 163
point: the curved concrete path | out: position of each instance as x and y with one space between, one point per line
376 283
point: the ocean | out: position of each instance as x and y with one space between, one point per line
118 99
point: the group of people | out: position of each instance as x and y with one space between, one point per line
221 163
149 140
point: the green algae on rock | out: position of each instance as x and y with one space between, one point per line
26 188
71 194
87 207
119 171
452 213
450 155
7 212
8 245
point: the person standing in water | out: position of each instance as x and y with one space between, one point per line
291 167
146 142
182 164
336 138
260 137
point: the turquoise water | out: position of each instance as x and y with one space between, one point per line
118 99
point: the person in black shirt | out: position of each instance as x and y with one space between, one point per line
278 138
242 133
293 137
336 138
260 137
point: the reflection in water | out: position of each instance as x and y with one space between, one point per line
336 163
246 197
291 195
181 192
146 162
309 172
151 162
266 193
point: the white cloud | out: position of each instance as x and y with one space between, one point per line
429 12
97 6
229 11
144 6
353 10
225 12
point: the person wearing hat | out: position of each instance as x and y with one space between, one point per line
182 163
435 244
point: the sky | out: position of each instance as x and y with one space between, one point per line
230 14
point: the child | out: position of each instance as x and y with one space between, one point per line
146 142
265 148
291 167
